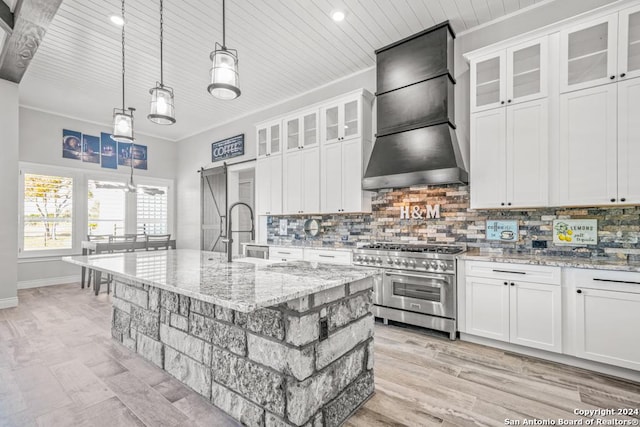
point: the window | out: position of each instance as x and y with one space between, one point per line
48 212
106 204
151 210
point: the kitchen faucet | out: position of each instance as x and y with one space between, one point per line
230 231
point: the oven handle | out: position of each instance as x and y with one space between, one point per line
415 276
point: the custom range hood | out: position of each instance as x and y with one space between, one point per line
416 141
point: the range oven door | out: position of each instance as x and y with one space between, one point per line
425 293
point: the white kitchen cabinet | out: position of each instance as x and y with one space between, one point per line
629 43
327 256
268 137
587 153
509 156
505 302
517 74
607 311
331 175
342 119
301 187
628 137
487 308
269 185
301 130
589 54
278 253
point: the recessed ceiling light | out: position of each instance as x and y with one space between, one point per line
337 15
117 20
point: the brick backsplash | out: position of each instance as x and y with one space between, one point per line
618 227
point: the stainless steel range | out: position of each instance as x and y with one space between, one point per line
418 285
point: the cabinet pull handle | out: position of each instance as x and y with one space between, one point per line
616 281
286 253
326 256
508 271
579 291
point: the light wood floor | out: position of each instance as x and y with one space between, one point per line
59 367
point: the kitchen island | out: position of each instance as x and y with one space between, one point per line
273 344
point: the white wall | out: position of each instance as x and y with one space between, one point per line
9 132
41 143
195 151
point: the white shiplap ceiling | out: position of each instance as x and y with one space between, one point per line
286 47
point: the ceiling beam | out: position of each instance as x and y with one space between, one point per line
30 22
6 18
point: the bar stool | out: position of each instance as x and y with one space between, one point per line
117 244
158 241
103 238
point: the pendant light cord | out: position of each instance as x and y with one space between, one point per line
123 25
161 42
224 40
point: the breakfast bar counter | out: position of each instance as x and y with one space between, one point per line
285 343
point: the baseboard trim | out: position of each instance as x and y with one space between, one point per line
8 302
49 281
566 359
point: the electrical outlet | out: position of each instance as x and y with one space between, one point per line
324 329
539 244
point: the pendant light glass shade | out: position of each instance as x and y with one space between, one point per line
224 73
123 125
162 108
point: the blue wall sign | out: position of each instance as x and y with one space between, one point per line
505 231
227 148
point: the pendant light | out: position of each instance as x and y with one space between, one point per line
224 71
122 117
162 107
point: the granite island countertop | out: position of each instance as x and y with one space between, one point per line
596 263
243 285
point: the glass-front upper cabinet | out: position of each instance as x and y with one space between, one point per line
301 130
488 82
527 71
268 139
629 43
342 120
588 54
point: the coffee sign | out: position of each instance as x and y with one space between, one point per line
227 148
418 212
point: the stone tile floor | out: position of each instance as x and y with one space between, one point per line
60 367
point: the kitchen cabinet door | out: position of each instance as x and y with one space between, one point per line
310 177
488 84
488 159
310 129
628 138
352 176
262 141
342 120
527 71
275 182
588 54
587 151
629 43
275 146
536 315
292 137
263 186
606 326
331 176
487 308
527 154
292 186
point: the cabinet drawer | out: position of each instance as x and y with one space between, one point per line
519 272
286 254
334 257
620 281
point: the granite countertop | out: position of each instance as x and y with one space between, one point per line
243 285
598 263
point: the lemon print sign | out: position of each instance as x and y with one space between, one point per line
575 232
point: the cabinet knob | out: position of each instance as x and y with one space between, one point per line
623 200
502 204
613 200
501 102
505 283
579 291
509 204
612 77
508 100
513 284
623 74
